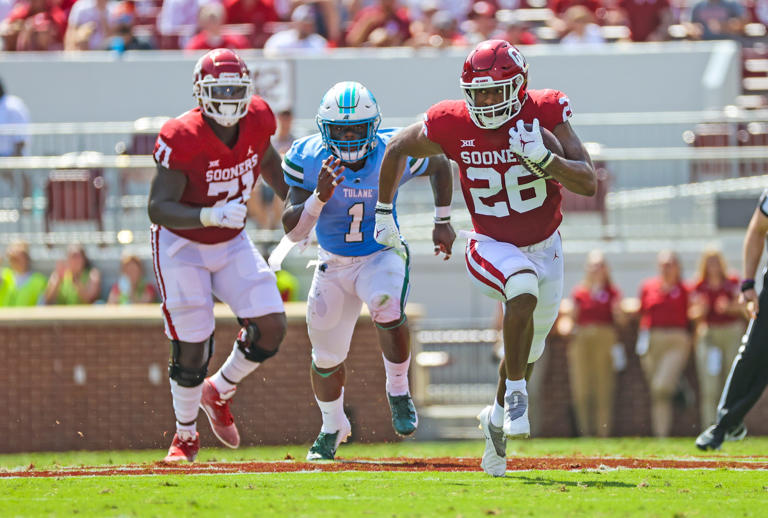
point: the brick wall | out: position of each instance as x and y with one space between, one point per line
72 384
95 378
632 404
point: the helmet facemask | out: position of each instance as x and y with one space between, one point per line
224 99
348 119
336 137
494 116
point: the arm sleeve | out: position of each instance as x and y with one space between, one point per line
168 151
414 167
435 120
763 203
294 164
555 109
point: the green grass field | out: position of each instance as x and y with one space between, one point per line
580 492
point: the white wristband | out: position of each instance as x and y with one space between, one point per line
443 214
206 215
314 205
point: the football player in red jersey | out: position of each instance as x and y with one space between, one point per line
208 160
514 252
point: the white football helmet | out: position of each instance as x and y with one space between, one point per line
348 119
222 86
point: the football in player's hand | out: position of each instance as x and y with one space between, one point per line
550 142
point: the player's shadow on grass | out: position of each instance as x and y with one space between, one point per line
545 481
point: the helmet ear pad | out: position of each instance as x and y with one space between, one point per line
348 104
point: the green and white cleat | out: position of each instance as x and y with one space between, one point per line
404 418
326 443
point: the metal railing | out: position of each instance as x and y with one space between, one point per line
649 187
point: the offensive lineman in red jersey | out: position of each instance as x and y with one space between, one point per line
514 253
208 160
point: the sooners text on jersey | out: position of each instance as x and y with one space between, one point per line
505 201
215 173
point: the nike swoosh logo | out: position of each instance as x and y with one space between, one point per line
378 232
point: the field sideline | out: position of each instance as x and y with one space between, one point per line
419 479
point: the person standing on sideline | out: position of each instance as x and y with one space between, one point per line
749 372
208 160
511 184
334 178
663 341
719 326
596 310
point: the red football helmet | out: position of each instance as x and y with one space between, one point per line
495 63
222 86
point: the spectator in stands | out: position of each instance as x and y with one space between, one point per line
19 285
594 315
759 11
14 23
123 20
513 29
38 33
716 20
648 20
482 24
284 137
384 24
580 28
257 13
177 20
74 281
718 315
300 37
559 7
13 111
88 27
265 207
211 35
328 16
663 341
132 287
438 31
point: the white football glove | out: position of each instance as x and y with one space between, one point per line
529 144
230 215
385 232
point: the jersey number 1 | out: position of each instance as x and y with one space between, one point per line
354 235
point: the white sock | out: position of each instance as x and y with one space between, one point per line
516 386
397 376
333 413
186 431
497 414
234 369
186 403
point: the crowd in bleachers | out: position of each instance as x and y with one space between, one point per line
313 25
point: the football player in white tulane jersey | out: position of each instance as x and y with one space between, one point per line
333 179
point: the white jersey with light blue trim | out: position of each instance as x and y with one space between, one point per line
345 226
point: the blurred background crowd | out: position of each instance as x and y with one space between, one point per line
310 26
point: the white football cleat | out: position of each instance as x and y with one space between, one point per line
516 424
495 455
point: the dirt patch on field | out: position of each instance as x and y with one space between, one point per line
392 464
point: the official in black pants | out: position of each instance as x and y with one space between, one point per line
749 372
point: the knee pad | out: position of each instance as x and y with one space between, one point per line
524 282
248 342
188 376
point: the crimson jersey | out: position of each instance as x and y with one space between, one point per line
506 202
215 173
